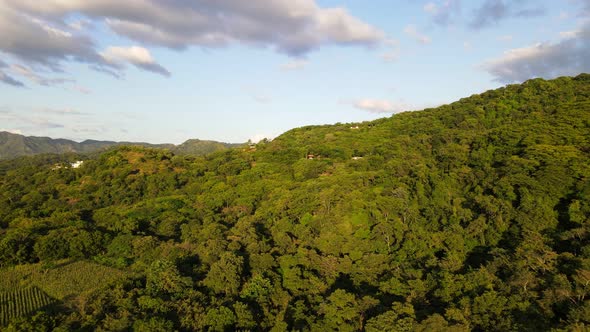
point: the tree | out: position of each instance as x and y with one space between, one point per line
225 275
163 278
16 247
220 319
343 312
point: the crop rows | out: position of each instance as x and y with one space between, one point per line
21 302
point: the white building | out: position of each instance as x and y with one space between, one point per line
77 164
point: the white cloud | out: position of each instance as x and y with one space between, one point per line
132 54
296 64
37 78
381 106
413 32
35 41
292 27
135 55
569 56
43 36
505 38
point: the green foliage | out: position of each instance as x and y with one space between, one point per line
15 248
220 319
471 216
225 274
163 278
197 147
38 322
155 324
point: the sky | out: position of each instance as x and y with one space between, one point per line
164 71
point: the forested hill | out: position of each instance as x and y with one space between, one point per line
196 147
470 216
14 145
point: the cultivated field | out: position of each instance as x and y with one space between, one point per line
27 288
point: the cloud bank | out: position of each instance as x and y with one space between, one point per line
293 27
486 14
37 78
41 34
569 56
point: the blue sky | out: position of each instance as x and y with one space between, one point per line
229 70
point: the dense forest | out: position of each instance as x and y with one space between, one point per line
473 216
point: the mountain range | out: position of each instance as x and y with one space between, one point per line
15 145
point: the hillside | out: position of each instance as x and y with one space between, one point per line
14 145
473 216
196 147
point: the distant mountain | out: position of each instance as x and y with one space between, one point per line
14 145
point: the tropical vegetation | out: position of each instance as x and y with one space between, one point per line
470 216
